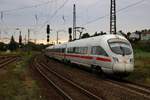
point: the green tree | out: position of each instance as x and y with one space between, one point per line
95 34
98 34
128 35
13 44
20 39
85 35
3 46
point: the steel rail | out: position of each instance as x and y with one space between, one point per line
8 61
131 88
52 83
5 59
74 84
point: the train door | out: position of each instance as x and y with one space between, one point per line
65 52
91 53
85 58
94 55
101 58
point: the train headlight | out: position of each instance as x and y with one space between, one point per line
115 59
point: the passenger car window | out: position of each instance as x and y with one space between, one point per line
71 50
97 50
77 50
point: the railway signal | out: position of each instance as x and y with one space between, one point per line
70 34
48 32
48 29
48 38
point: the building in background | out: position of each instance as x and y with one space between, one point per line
145 35
140 35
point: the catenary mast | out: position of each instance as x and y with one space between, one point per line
113 17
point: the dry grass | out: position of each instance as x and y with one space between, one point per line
16 84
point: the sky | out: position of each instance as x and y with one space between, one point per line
21 15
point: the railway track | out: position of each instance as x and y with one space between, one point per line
138 91
135 88
6 60
68 89
131 87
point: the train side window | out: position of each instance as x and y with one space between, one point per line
81 50
84 50
63 50
77 50
73 50
97 50
68 50
93 50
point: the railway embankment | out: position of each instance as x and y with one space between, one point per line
16 82
141 73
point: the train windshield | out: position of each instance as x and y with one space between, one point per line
120 47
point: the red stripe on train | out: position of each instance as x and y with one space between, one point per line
89 57
85 57
78 56
103 59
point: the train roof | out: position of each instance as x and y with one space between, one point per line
87 41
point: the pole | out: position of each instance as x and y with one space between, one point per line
20 39
25 39
28 35
113 17
28 41
0 36
57 38
74 22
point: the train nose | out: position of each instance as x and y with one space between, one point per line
123 66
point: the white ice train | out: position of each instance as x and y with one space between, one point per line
112 54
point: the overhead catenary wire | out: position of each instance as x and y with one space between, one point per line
27 7
89 22
50 18
3 12
54 14
38 0
104 16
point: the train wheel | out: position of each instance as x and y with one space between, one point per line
92 69
99 70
